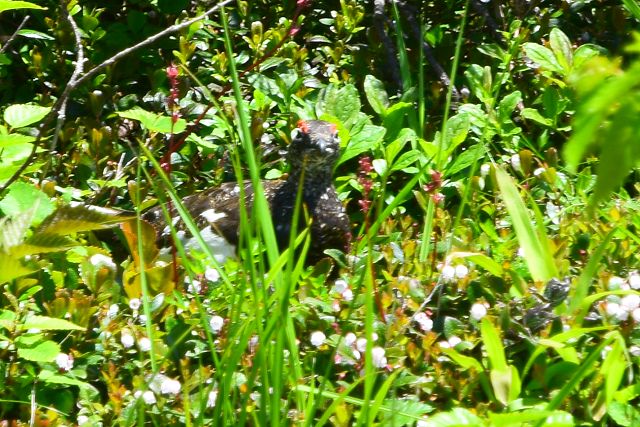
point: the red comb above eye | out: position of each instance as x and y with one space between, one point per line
334 128
303 126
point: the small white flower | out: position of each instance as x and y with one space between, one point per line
461 271
478 311
378 357
448 273
485 169
127 340
339 286
216 323
147 397
335 306
515 162
82 419
193 286
211 274
142 319
616 283
64 361
612 308
134 304
630 302
520 253
422 423
539 171
170 386
100 261
553 213
361 344
636 314
634 350
634 280
113 311
317 338
374 337
425 322
357 355
350 338
211 399
347 295
144 343
454 341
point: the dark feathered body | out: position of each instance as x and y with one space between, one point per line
216 211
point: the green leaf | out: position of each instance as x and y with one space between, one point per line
507 106
341 102
43 351
561 46
527 416
75 219
21 115
54 378
23 197
623 414
376 94
457 129
154 122
480 259
533 115
620 155
534 244
455 417
612 369
368 138
633 7
493 345
14 139
45 323
406 160
11 268
543 57
15 4
465 159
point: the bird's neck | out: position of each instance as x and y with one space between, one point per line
315 184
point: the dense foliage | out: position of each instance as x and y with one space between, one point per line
488 168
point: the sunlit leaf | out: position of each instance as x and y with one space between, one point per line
45 323
154 122
21 115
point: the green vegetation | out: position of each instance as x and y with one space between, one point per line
488 167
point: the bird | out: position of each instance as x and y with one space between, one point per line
312 154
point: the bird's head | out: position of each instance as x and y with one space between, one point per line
315 147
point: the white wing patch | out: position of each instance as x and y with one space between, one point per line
218 245
212 216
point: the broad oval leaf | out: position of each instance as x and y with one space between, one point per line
46 323
376 94
45 351
21 115
543 57
15 4
154 122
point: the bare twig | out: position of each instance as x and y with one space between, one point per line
172 29
78 78
391 65
14 35
409 15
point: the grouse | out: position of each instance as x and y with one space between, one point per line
312 154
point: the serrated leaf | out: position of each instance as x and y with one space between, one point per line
376 94
154 122
543 57
21 115
79 218
456 417
44 351
457 129
13 230
45 323
11 268
41 243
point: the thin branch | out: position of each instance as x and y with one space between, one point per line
78 78
172 29
14 35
